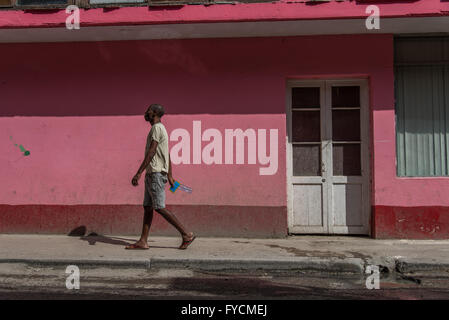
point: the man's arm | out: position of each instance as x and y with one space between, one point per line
146 161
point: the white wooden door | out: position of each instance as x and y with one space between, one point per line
328 157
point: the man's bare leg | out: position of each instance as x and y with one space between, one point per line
147 220
171 218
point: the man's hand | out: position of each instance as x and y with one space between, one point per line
135 180
171 181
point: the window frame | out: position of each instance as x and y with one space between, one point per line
402 64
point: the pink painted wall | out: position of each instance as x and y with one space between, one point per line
282 10
396 191
91 160
78 108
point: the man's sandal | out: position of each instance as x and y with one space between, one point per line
186 243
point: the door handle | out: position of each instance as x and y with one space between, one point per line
323 169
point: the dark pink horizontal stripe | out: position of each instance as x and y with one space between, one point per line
238 12
217 221
426 222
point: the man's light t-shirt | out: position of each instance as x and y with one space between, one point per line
160 161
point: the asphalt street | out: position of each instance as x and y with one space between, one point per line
21 281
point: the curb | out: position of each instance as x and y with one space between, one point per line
414 265
349 265
84 263
299 264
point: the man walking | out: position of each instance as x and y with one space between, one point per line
158 170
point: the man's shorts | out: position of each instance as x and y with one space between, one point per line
155 190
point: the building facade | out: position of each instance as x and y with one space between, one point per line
283 117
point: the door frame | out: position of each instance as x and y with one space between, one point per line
365 154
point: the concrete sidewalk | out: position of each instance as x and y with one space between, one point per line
298 253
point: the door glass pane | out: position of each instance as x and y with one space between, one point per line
306 126
345 97
346 159
307 160
346 125
306 97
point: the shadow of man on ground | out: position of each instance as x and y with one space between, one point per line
92 238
